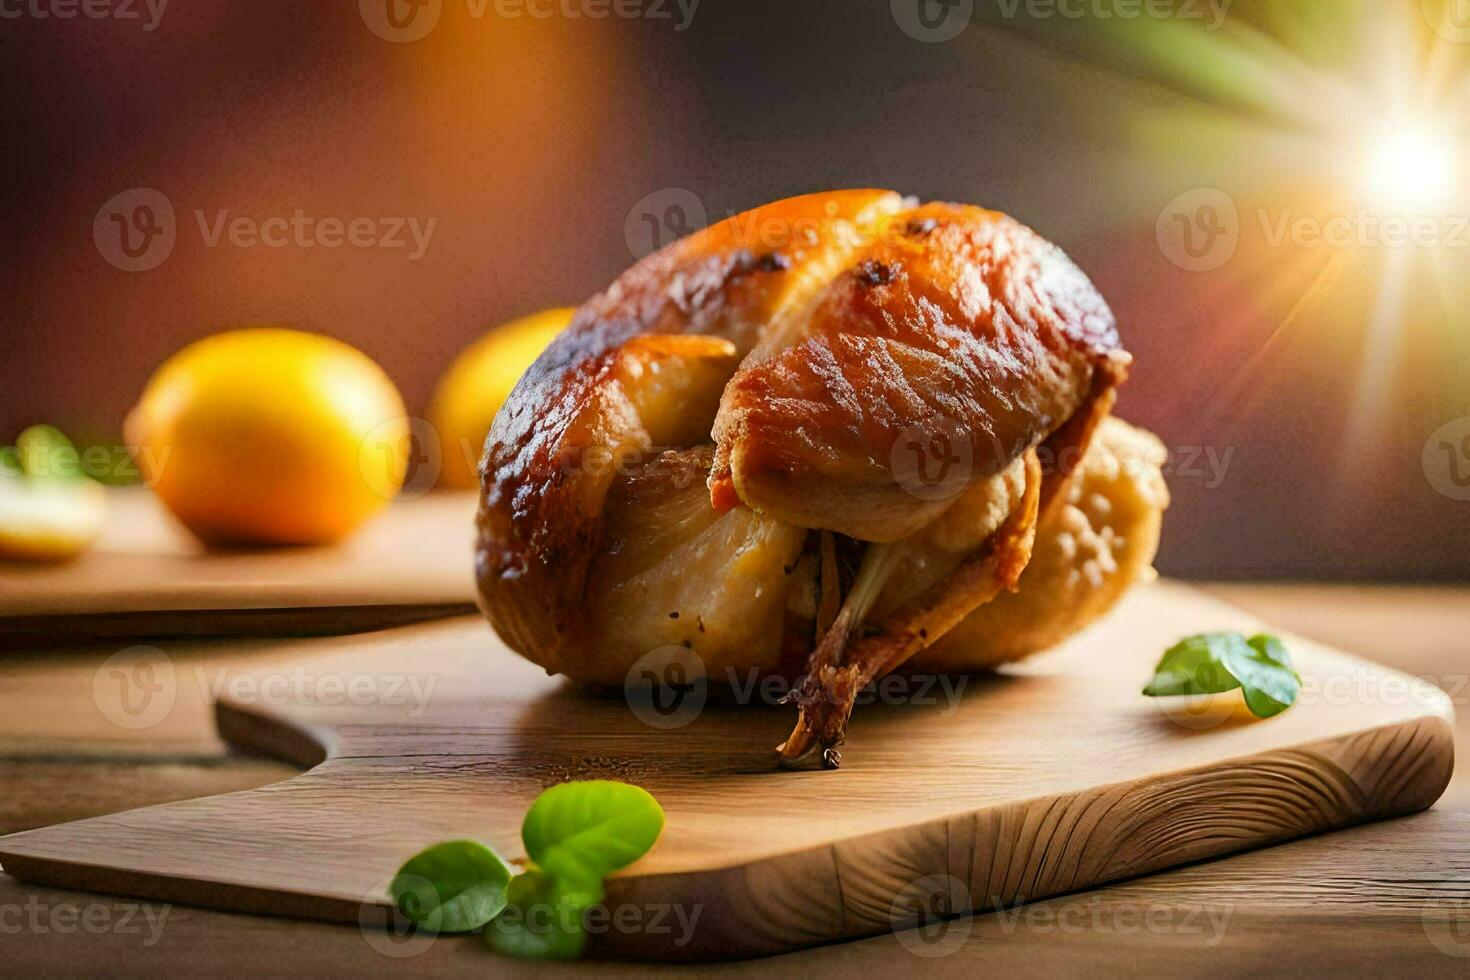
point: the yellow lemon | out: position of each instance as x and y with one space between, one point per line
271 436
477 384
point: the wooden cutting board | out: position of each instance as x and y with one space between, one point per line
146 576
1054 776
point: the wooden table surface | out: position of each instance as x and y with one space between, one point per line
1388 898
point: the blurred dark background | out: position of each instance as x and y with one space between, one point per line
1315 396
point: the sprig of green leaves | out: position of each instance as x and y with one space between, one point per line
575 835
41 452
1212 663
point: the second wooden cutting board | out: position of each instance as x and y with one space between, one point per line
147 577
1055 776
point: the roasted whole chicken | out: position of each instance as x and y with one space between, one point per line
831 438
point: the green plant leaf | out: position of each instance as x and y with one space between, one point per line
1267 680
1270 648
456 886
1195 665
543 920
575 833
583 831
1211 663
45 451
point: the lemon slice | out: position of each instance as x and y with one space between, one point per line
49 520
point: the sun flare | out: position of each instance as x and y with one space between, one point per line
1412 167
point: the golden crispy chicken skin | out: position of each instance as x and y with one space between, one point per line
561 436
959 320
713 454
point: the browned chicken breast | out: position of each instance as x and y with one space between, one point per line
820 439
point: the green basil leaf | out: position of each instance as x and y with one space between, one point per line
44 451
1195 665
584 831
1269 683
456 886
1269 648
543 920
1212 663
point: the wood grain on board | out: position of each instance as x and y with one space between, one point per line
1388 899
1054 776
147 576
